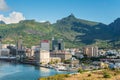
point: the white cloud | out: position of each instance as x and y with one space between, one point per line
13 17
3 5
42 21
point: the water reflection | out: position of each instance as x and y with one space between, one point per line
42 69
11 71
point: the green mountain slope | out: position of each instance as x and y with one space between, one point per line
75 32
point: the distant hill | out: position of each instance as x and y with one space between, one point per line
75 32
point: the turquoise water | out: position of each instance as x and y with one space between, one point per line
12 71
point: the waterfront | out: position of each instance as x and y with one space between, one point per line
12 71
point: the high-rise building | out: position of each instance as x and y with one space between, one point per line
0 45
57 44
0 42
44 45
60 44
19 43
20 52
91 51
42 54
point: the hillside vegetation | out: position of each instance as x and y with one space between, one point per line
75 32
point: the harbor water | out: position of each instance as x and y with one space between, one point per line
15 71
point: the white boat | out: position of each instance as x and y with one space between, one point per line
60 68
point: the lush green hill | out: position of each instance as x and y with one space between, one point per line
75 32
32 32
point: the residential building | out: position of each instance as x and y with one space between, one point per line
61 54
91 51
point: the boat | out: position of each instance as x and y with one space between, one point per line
49 66
60 68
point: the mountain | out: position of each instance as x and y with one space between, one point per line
115 26
2 22
83 31
115 30
75 32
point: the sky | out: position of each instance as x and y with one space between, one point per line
105 11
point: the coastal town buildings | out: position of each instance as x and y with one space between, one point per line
28 53
61 54
57 44
42 54
0 44
79 55
20 52
55 59
91 51
45 45
5 52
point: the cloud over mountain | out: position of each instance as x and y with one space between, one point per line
13 17
3 5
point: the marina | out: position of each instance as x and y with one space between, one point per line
16 71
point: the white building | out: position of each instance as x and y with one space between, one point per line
45 45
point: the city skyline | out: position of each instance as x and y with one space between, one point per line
104 11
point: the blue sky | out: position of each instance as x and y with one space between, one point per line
105 11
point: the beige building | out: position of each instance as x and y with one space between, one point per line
42 56
33 49
29 53
91 51
61 54
55 59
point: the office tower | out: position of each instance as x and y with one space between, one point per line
57 44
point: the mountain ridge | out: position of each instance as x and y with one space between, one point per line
75 32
